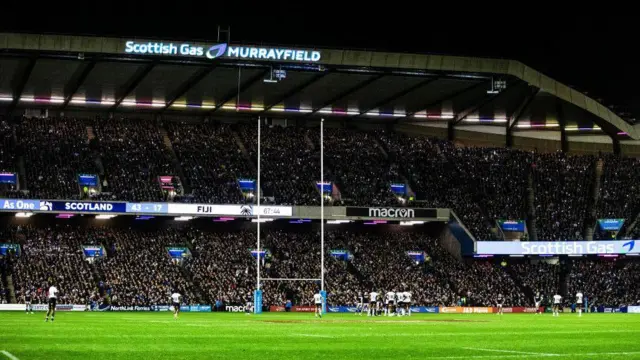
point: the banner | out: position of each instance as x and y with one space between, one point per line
610 224
18 204
85 206
303 308
198 308
518 310
512 225
556 247
129 308
392 213
633 309
230 210
425 309
451 309
59 307
8 178
235 308
273 308
159 307
341 309
477 310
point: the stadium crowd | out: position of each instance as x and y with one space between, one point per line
290 166
138 271
211 161
480 184
133 155
56 150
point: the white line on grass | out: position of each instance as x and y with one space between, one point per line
8 354
512 351
313 335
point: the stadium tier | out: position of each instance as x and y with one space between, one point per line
138 266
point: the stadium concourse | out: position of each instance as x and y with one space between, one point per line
176 122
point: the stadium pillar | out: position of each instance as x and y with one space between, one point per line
509 136
451 133
564 141
616 145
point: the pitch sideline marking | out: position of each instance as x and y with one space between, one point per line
9 355
513 351
313 335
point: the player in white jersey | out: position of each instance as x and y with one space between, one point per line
373 301
175 302
557 300
407 302
390 301
579 303
399 303
53 301
317 299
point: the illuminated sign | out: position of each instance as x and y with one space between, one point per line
556 247
221 50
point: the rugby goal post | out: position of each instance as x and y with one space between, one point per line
257 294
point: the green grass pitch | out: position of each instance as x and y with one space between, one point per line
156 336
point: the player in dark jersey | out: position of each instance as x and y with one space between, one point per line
28 298
499 303
538 301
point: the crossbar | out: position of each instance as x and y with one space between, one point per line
288 279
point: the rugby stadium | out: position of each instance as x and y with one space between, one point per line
172 198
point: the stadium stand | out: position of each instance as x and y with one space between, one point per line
563 186
359 167
134 156
56 150
290 165
610 283
138 269
52 255
211 161
619 191
8 159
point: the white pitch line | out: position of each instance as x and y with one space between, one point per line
313 335
512 351
9 355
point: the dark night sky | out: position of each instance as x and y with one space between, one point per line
594 54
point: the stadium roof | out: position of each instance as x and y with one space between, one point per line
165 77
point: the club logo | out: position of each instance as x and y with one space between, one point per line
391 212
46 205
246 210
630 244
216 51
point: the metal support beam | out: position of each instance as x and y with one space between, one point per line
187 85
344 94
295 90
465 113
517 114
18 83
242 88
395 96
616 145
524 105
445 98
131 85
564 141
76 81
